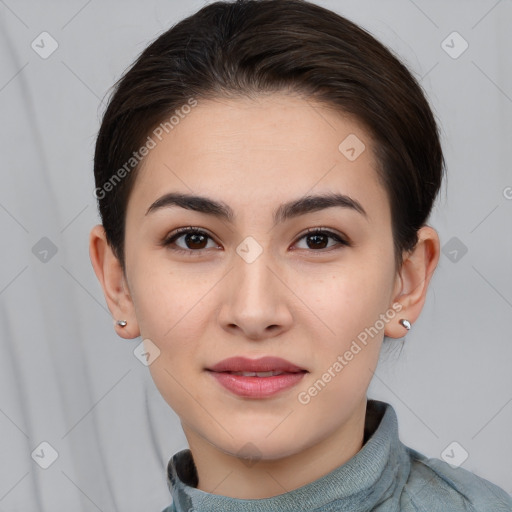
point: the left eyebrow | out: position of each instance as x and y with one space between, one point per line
310 204
292 209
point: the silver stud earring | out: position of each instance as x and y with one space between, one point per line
405 323
121 323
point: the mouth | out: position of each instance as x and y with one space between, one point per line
262 367
256 378
259 374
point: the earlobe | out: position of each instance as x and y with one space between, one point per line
414 277
110 274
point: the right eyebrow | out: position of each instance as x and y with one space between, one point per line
195 203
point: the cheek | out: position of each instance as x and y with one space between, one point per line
171 313
350 298
165 299
350 304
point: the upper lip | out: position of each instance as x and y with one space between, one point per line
263 364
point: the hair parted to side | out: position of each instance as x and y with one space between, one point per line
251 47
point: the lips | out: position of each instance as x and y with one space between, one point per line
256 378
261 365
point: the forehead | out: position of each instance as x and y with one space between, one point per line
247 151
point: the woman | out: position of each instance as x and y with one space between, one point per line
265 172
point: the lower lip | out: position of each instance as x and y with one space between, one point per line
257 387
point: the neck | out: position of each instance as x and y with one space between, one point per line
227 475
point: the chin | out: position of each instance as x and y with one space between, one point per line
256 444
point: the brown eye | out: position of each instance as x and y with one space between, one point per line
190 240
195 241
319 239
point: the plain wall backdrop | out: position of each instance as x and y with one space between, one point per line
68 380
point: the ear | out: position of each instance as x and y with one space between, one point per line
110 274
413 279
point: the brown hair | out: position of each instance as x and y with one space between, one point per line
248 47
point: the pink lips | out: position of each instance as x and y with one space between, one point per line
256 386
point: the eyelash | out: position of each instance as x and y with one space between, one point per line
196 231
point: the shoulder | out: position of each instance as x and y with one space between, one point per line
170 508
434 485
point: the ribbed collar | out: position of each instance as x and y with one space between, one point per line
375 474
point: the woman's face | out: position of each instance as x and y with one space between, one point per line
253 283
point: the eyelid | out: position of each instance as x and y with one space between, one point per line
188 229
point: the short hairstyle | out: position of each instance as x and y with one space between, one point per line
251 47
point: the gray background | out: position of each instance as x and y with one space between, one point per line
67 379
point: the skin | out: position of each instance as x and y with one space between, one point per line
296 301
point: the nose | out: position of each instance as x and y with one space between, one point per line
256 301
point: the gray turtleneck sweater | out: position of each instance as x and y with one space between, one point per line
384 476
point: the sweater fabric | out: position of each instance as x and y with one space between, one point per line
384 476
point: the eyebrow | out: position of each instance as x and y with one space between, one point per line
292 209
